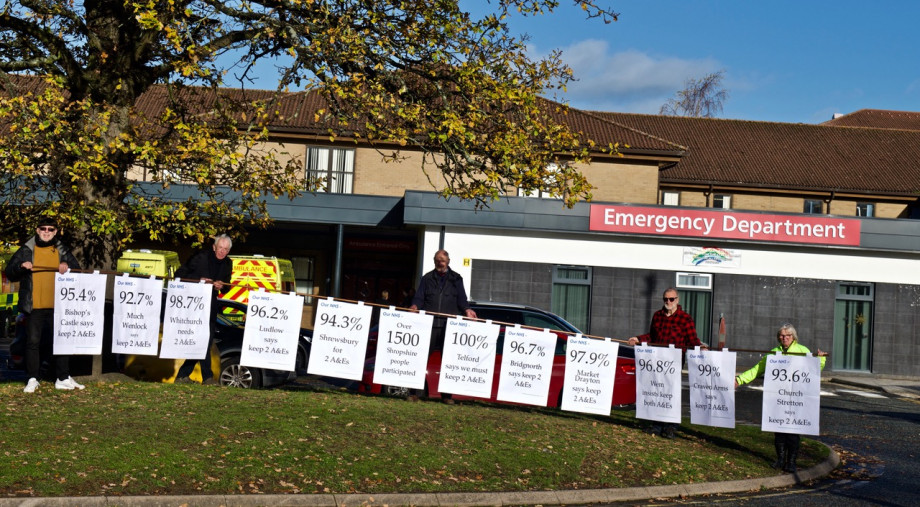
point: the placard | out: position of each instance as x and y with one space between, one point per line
589 375
468 360
712 387
339 339
658 389
792 394
527 365
186 320
272 330
136 315
403 341
79 313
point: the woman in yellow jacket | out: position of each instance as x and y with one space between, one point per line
786 444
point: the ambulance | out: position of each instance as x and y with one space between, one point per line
161 263
258 271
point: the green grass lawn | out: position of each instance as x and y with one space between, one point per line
137 438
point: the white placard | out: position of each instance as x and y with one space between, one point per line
792 395
339 339
658 390
712 387
136 315
527 365
403 341
590 369
272 330
186 321
79 313
468 360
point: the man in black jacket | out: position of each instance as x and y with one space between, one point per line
441 291
215 267
34 266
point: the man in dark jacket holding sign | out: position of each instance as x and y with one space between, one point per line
441 291
215 267
35 266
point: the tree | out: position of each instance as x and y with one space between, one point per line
423 75
698 99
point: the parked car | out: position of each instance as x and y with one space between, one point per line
228 340
624 388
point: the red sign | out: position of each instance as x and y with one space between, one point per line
724 225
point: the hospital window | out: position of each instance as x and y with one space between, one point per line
572 294
814 206
865 209
670 198
723 201
333 167
551 170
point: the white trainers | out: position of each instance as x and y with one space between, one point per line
31 386
68 384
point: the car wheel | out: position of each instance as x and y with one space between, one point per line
303 359
233 374
401 392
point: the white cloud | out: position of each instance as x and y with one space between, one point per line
627 81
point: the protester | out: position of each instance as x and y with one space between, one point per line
34 266
670 325
441 291
215 267
786 444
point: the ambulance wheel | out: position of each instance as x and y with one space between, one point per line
233 374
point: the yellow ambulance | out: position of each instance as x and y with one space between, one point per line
161 263
259 271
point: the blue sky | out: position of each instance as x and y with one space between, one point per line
797 61
788 61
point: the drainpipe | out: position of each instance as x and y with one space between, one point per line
337 274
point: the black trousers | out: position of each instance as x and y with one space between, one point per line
189 365
40 320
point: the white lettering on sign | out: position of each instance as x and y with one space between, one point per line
725 224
